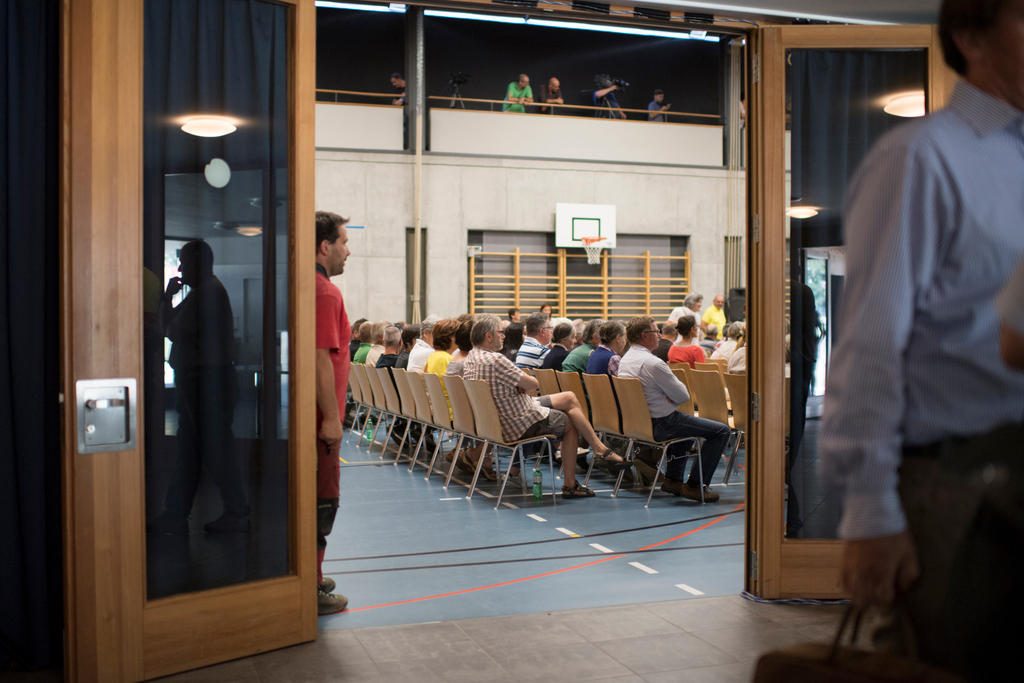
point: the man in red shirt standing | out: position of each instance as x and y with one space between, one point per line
332 365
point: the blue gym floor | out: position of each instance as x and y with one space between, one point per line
526 557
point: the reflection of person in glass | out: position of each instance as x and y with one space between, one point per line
201 329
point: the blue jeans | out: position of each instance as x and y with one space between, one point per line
675 425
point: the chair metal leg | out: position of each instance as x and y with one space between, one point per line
479 466
622 473
657 473
517 451
355 423
433 458
732 456
451 467
590 467
551 471
405 435
387 441
362 429
700 472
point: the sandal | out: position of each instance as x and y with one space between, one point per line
468 467
615 465
577 490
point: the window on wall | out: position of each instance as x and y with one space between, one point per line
645 274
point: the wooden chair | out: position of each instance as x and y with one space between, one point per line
548 382
688 406
361 402
685 379
364 381
529 371
710 392
463 421
723 362
439 411
636 424
737 385
408 403
570 381
392 405
488 428
422 410
604 412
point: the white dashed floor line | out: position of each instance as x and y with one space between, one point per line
689 589
537 518
453 498
643 567
601 548
567 532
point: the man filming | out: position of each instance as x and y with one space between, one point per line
604 97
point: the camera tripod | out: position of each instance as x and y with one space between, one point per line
456 97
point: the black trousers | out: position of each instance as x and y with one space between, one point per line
964 501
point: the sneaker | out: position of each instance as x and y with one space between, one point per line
328 585
228 524
329 603
693 493
676 488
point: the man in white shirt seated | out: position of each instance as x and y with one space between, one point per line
424 346
535 344
664 394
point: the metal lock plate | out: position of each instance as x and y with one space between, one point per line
106 414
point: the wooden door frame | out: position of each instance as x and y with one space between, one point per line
112 632
778 567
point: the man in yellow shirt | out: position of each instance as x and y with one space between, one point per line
715 315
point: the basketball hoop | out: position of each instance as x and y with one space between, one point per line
592 245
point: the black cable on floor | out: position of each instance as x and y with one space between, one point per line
521 543
531 559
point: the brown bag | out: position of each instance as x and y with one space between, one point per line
836 663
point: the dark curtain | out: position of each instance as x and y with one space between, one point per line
30 502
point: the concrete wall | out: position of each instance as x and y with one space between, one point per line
478 193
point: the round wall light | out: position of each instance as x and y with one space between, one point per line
209 126
217 172
906 104
802 212
249 230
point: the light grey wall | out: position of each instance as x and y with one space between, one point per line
475 193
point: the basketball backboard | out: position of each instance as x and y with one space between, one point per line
573 222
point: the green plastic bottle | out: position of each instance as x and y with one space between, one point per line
538 484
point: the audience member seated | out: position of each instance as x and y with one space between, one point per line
513 340
523 415
513 315
576 361
579 325
545 309
365 339
551 94
715 315
738 359
424 346
518 94
444 343
665 341
708 343
377 348
392 347
462 343
535 344
398 83
410 333
606 357
690 308
686 350
353 345
561 342
664 393
733 331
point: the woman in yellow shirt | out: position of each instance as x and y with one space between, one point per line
444 344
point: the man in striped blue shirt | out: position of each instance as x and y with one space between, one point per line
926 438
535 343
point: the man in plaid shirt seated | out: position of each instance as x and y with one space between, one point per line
523 415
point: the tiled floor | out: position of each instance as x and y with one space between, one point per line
702 640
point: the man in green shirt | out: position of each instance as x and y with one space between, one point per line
576 361
365 337
518 94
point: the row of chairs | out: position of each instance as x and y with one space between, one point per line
420 399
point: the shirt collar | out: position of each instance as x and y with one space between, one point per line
982 112
532 340
323 271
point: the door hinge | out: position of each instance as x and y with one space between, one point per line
755 407
755 70
755 228
753 565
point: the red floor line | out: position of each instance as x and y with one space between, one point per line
535 576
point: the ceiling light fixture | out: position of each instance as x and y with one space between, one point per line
907 104
398 8
802 212
249 230
549 23
209 125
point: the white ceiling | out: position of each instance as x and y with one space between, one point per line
848 11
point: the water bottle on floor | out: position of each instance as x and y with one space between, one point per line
538 484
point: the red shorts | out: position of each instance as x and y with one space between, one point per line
328 470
